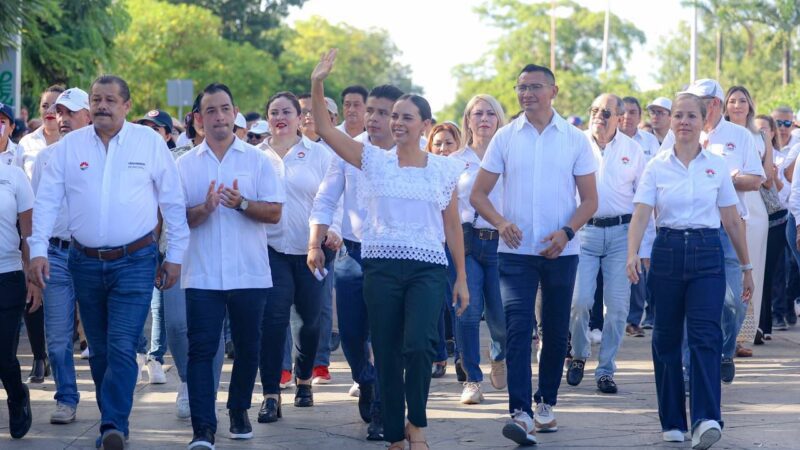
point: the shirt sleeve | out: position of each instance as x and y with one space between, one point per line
494 158
727 193
794 195
36 172
24 193
646 188
751 161
329 193
269 187
171 201
49 197
585 162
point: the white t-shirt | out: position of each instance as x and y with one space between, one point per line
61 228
16 196
465 183
404 205
648 142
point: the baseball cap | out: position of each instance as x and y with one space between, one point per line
260 127
7 111
158 117
240 121
332 108
662 102
74 99
705 87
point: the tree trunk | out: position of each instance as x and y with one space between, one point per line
787 61
719 53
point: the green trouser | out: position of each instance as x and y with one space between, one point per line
404 299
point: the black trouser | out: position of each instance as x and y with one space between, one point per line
12 307
596 314
34 324
776 247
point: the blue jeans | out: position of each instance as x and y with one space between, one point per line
447 316
59 325
483 282
606 250
785 309
734 310
205 312
158 335
641 303
114 298
520 276
687 277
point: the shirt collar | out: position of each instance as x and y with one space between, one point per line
237 144
703 152
556 121
11 147
120 136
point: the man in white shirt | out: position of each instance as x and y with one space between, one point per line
342 181
115 176
10 153
604 243
543 159
354 106
232 192
659 110
72 113
784 120
307 121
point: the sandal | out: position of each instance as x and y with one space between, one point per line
398 446
412 442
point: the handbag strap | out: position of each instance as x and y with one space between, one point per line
475 219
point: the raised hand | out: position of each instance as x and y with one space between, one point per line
231 197
213 196
324 66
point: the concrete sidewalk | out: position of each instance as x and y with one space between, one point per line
761 410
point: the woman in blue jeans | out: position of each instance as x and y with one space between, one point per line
692 192
483 116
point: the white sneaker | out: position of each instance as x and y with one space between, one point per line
155 372
471 395
355 390
63 414
141 360
85 353
672 436
182 409
596 336
520 429
498 375
545 418
706 434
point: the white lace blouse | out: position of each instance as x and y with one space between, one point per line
404 206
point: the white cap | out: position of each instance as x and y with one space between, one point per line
705 87
797 116
240 121
662 102
332 108
260 127
75 99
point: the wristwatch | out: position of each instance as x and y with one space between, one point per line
568 231
243 205
746 267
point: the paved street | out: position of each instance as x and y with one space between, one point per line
761 410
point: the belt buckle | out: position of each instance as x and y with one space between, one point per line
100 252
485 234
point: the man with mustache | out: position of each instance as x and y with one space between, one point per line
354 106
115 176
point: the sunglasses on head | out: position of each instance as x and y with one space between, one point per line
606 114
783 123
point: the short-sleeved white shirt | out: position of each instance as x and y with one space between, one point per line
465 183
228 250
686 197
32 143
301 171
16 196
12 155
539 173
404 205
648 142
620 166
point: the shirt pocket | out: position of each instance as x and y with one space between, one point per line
134 183
246 183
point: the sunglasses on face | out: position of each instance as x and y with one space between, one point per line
605 114
783 123
254 136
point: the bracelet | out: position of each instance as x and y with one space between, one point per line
746 267
315 247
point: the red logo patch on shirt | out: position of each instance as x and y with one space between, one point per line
301 155
153 113
730 146
84 165
710 172
625 160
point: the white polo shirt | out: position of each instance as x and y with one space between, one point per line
12 155
301 171
61 228
539 173
113 196
465 183
648 142
686 197
32 143
228 250
16 196
620 167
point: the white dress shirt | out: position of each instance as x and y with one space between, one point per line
228 250
620 166
113 196
539 173
12 155
686 197
32 143
648 142
16 196
301 171
466 181
61 228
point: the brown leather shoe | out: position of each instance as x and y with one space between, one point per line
634 330
743 352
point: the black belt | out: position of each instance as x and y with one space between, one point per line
604 222
694 232
778 215
487 234
114 253
356 246
59 243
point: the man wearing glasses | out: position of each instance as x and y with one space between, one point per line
257 133
784 119
659 110
543 160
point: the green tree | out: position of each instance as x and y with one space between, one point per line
15 14
166 41
579 35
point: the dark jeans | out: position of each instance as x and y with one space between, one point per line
596 316
12 307
34 325
786 309
773 269
520 276
114 299
404 301
641 303
205 312
687 277
292 284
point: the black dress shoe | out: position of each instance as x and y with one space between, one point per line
19 415
202 440
303 397
240 424
365 401
575 372
461 375
451 347
375 428
727 370
759 340
39 370
606 385
229 350
439 370
270 410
